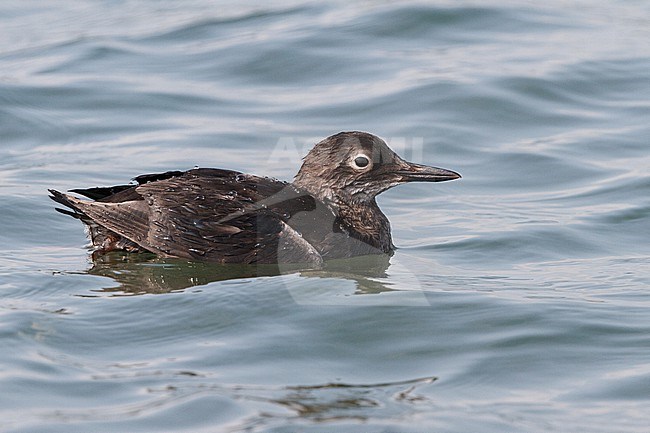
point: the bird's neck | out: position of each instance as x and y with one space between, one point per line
367 222
362 218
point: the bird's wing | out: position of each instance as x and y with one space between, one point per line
210 215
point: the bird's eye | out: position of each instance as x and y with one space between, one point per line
361 161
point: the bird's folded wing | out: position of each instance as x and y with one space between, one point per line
210 215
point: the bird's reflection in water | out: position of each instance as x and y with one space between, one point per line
149 274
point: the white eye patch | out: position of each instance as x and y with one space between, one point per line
360 162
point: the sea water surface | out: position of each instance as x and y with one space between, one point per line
519 297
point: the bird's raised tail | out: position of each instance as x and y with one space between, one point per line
102 238
68 202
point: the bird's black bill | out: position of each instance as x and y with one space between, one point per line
424 173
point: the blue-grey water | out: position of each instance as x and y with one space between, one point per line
519 297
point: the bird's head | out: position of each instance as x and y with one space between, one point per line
357 166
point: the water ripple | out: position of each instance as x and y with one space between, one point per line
521 287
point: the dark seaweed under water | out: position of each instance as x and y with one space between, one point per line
518 300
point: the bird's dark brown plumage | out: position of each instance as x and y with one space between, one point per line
328 212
